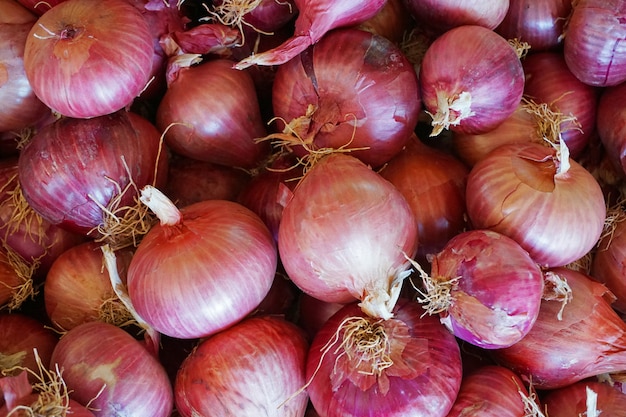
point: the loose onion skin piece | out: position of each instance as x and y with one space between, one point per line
197 276
522 191
589 340
89 58
345 235
252 368
363 91
572 400
426 360
96 355
471 80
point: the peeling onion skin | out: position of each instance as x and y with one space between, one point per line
476 60
95 354
249 369
516 191
572 400
200 276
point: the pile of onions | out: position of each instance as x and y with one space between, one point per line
352 90
552 206
202 268
485 287
471 80
409 365
255 367
345 235
591 397
577 334
88 58
106 368
443 15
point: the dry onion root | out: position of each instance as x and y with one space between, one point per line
17 284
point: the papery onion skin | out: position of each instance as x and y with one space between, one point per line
253 368
447 14
593 48
516 191
611 125
345 233
195 278
89 58
498 293
98 356
490 391
432 359
73 168
572 400
210 112
589 340
364 92
476 60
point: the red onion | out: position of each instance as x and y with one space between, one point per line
548 203
88 165
433 183
315 19
491 391
88 58
405 366
254 368
314 313
263 16
471 80
77 288
541 24
393 22
611 125
39 7
346 234
105 367
549 80
592 47
485 287
353 90
571 340
580 398
444 15
15 13
201 269
227 136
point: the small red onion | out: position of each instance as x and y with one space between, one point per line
254 368
346 234
548 203
444 15
88 58
471 80
583 398
105 367
352 90
361 366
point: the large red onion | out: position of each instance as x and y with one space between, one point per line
346 234
88 58
359 366
75 168
254 368
552 206
593 47
105 367
210 112
573 341
471 80
485 287
581 398
352 90
611 125
443 15
315 19
201 269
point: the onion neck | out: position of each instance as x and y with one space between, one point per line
165 210
378 302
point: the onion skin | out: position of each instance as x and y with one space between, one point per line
88 58
590 339
227 136
609 262
499 288
430 365
516 190
572 400
476 60
611 125
364 91
592 48
345 233
202 275
392 22
98 354
74 409
490 391
252 368
444 15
